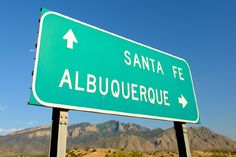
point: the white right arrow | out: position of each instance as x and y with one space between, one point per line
183 101
70 37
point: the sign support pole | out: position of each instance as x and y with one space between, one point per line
182 139
58 133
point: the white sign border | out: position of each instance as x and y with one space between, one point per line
64 106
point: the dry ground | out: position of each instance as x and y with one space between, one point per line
105 152
100 152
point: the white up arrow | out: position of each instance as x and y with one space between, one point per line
70 37
183 101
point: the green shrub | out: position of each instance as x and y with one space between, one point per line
137 154
218 155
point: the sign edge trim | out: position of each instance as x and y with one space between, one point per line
48 104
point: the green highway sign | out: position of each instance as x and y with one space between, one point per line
82 67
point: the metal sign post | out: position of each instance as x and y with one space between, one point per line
182 139
58 133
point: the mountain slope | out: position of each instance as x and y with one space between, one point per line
112 134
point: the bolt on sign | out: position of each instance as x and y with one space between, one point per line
81 67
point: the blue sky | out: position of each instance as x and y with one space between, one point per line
202 32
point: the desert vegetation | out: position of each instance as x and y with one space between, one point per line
102 152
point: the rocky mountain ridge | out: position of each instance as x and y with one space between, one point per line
112 134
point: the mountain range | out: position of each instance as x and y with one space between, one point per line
112 134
